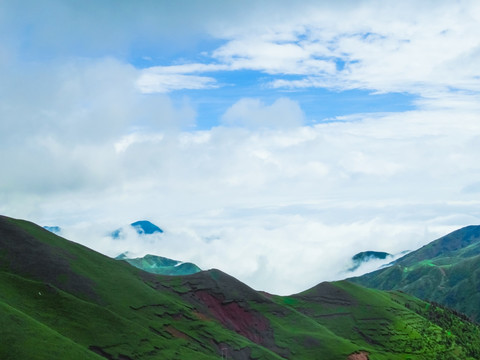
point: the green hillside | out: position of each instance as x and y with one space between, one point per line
446 271
61 300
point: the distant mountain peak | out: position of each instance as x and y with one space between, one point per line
159 265
124 255
366 256
142 227
54 229
145 227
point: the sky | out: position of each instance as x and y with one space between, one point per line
272 140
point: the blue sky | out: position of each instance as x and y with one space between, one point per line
319 105
258 135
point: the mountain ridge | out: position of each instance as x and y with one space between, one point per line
122 312
160 265
446 271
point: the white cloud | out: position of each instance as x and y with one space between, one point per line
164 83
404 47
128 140
271 57
252 113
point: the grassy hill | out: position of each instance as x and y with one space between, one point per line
446 271
61 300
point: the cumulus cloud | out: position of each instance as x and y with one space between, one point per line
253 113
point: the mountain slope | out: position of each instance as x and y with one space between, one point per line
23 329
90 306
446 271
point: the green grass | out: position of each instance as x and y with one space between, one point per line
23 337
381 324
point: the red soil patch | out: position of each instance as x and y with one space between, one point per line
176 333
361 355
249 324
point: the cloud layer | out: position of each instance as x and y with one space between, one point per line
280 208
